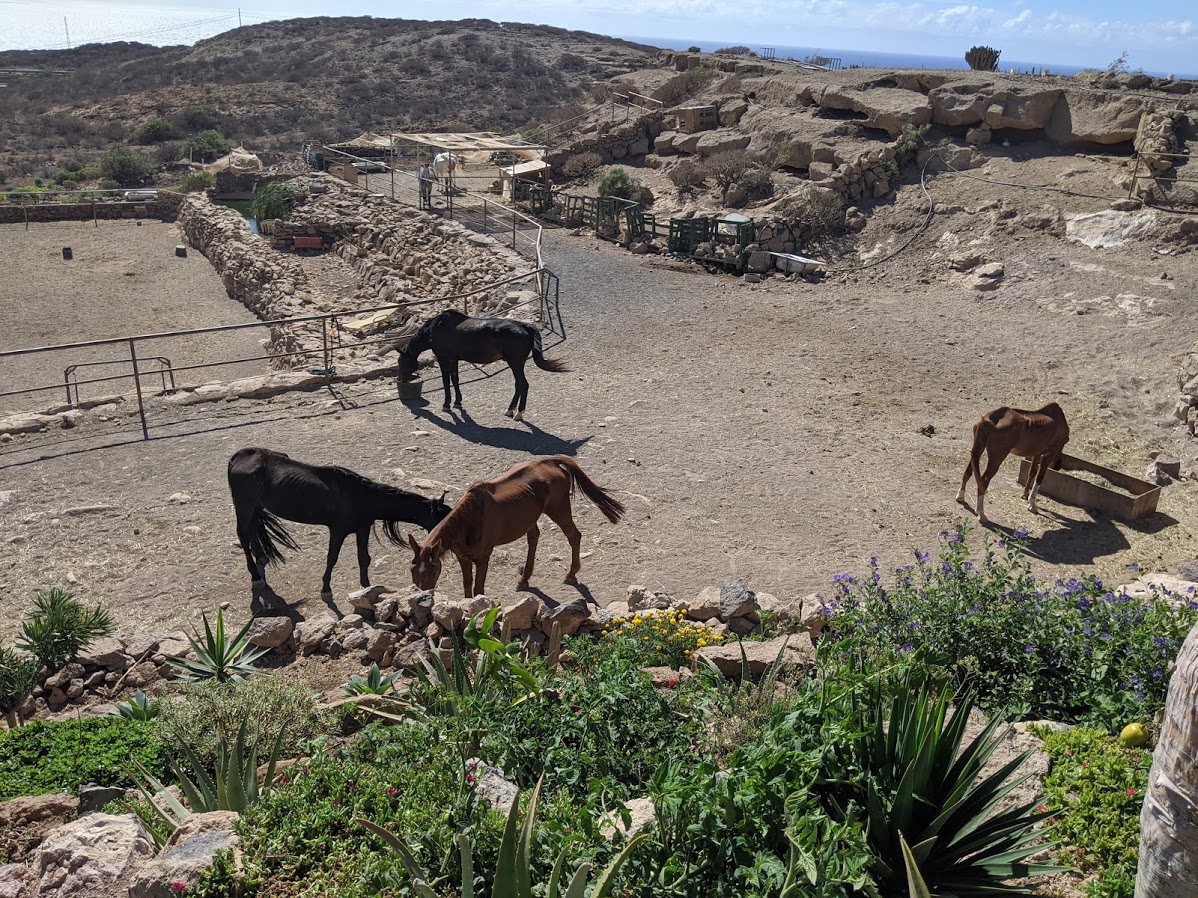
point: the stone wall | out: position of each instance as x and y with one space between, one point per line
165 207
612 142
1187 382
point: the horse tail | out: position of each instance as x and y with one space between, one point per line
611 507
981 437
538 355
266 533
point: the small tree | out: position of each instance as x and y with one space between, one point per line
18 676
156 130
127 167
197 181
206 145
983 59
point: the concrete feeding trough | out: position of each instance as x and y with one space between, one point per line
1140 498
793 264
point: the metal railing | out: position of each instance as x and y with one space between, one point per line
546 296
1155 178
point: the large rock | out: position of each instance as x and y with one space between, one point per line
711 143
1188 570
107 652
452 613
798 655
24 821
521 612
641 599
16 881
92 856
887 108
491 786
641 815
569 614
663 144
736 600
187 854
368 597
1110 228
309 634
270 632
1089 118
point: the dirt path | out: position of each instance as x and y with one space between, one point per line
769 432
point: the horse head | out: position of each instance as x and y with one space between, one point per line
426 565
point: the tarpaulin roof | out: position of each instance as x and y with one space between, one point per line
525 168
465 142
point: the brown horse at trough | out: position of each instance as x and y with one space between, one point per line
1038 436
494 512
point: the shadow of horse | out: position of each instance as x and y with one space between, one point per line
534 441
1075 541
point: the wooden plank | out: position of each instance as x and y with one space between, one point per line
1064 487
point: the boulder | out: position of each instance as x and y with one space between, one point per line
92 798
368 597
420 609
798 654
569 614
491 786
24 821
107 652
705 605
521 612
270 632
736 600
1089 118
379 643
142 674
63 677
16 881
663 144
1188 570
1164 586
641 815
452 613
187 854
91 856
759 262
641 599
309 634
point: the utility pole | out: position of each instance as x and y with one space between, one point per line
239 17
67 30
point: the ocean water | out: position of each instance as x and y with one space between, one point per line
881 59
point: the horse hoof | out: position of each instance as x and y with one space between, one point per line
508 414
522 584
961 498
445 407
258 584
985 522
571 581
326 595
519 416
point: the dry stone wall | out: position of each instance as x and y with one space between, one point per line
165 208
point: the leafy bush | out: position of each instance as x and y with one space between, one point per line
1072 651
618 183
18 677
273 200
75 175
59 628
156 130
51 757
756 184
983 59
684 85
197 181
727 170
374 683
816 210
205 146
140 707
197 118
127 167
1094 793
209 712
659 638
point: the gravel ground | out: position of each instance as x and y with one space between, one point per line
770 432
124 279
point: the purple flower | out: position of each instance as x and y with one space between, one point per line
1029 649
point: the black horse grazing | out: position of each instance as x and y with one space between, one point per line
268 485
454 336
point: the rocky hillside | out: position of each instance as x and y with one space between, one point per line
279 83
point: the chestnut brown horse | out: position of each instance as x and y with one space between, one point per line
455 337
494 512
1038 436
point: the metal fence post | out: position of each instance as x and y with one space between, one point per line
513 230
484 216
324 339
141 407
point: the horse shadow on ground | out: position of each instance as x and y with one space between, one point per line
265 602
532 440
551 602
1085 539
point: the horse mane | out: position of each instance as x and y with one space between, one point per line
455 527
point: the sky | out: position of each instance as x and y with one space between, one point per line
1158 35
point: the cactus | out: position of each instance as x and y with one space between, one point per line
983 59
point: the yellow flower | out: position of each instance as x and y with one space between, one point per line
702 642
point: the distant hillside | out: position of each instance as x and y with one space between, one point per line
275 84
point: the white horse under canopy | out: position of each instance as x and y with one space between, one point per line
444 166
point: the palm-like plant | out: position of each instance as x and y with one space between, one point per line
220 657
513 870
924 786
18 676
232 786
59 627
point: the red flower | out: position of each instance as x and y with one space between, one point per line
178 887
671 683
1042 808
469 777
1081 852
1131 792
353 787
392 791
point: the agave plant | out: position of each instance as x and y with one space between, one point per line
18 676
513 870
137 708
220 658
924 786
233 785
59 627
374 683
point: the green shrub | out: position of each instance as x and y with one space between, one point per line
219 657
618 183
50 757
205 146
1071 651
580 165
687 175
273 200
197 181
18 677
127 168
156 130
208 712
197 118
1094 792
